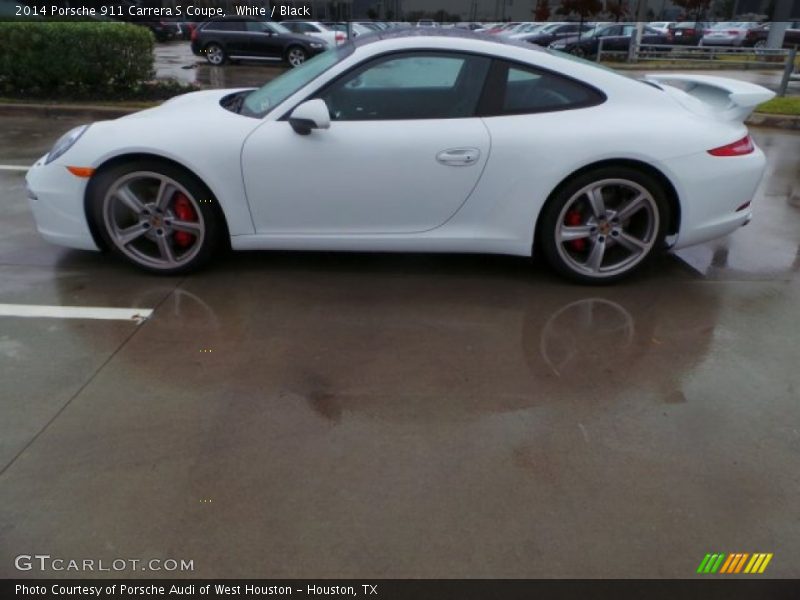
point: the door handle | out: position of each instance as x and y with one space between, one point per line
459 157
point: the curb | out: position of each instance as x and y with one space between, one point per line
97 113
89 111
777 121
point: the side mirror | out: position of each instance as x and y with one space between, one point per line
312 114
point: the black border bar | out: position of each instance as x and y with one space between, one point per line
711 588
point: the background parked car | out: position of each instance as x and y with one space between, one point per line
616 38
527 29
317 30
501 27
757 37
555 31
238 38
163 31
357 28
662 26
687 33
728 34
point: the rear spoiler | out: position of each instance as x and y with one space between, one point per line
724 98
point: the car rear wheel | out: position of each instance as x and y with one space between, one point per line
604 225
296 56
215 54
156 216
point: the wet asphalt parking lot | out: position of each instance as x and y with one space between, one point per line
347 415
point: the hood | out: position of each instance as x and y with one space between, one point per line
189 105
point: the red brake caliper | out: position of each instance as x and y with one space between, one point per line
184 212
572 219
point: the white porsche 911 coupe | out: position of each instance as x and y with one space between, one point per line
423 140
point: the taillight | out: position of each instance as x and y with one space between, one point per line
339 37
194 34
690 32
737 148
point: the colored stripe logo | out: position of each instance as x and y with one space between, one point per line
737 562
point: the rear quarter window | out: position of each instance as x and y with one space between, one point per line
520 89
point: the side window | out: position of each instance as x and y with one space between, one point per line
419 85
216 26
528 90
228 26
255 26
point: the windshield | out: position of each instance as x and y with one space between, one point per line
531 28
261 101
593 31
549 28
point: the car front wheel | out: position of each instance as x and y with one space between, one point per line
604 225
295 56
156 216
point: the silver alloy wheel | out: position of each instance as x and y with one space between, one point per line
139 216
613 226
215 54
296 57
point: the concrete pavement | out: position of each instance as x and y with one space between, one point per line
343 415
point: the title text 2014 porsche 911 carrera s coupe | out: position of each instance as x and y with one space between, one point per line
423 140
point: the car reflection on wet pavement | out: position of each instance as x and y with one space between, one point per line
405 415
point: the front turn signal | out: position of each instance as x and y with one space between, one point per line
81 171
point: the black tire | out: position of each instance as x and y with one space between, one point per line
215 54
297 51
208 215
566 260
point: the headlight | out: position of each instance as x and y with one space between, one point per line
65 142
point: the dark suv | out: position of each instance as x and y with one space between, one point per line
240 38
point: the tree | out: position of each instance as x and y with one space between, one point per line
582 8
617 9
542 11
693 9
724 8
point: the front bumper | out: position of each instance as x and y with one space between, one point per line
56 199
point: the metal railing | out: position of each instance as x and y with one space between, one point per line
711 56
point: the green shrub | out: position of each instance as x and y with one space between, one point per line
73 60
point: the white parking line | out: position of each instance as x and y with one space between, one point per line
75 312
14 168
